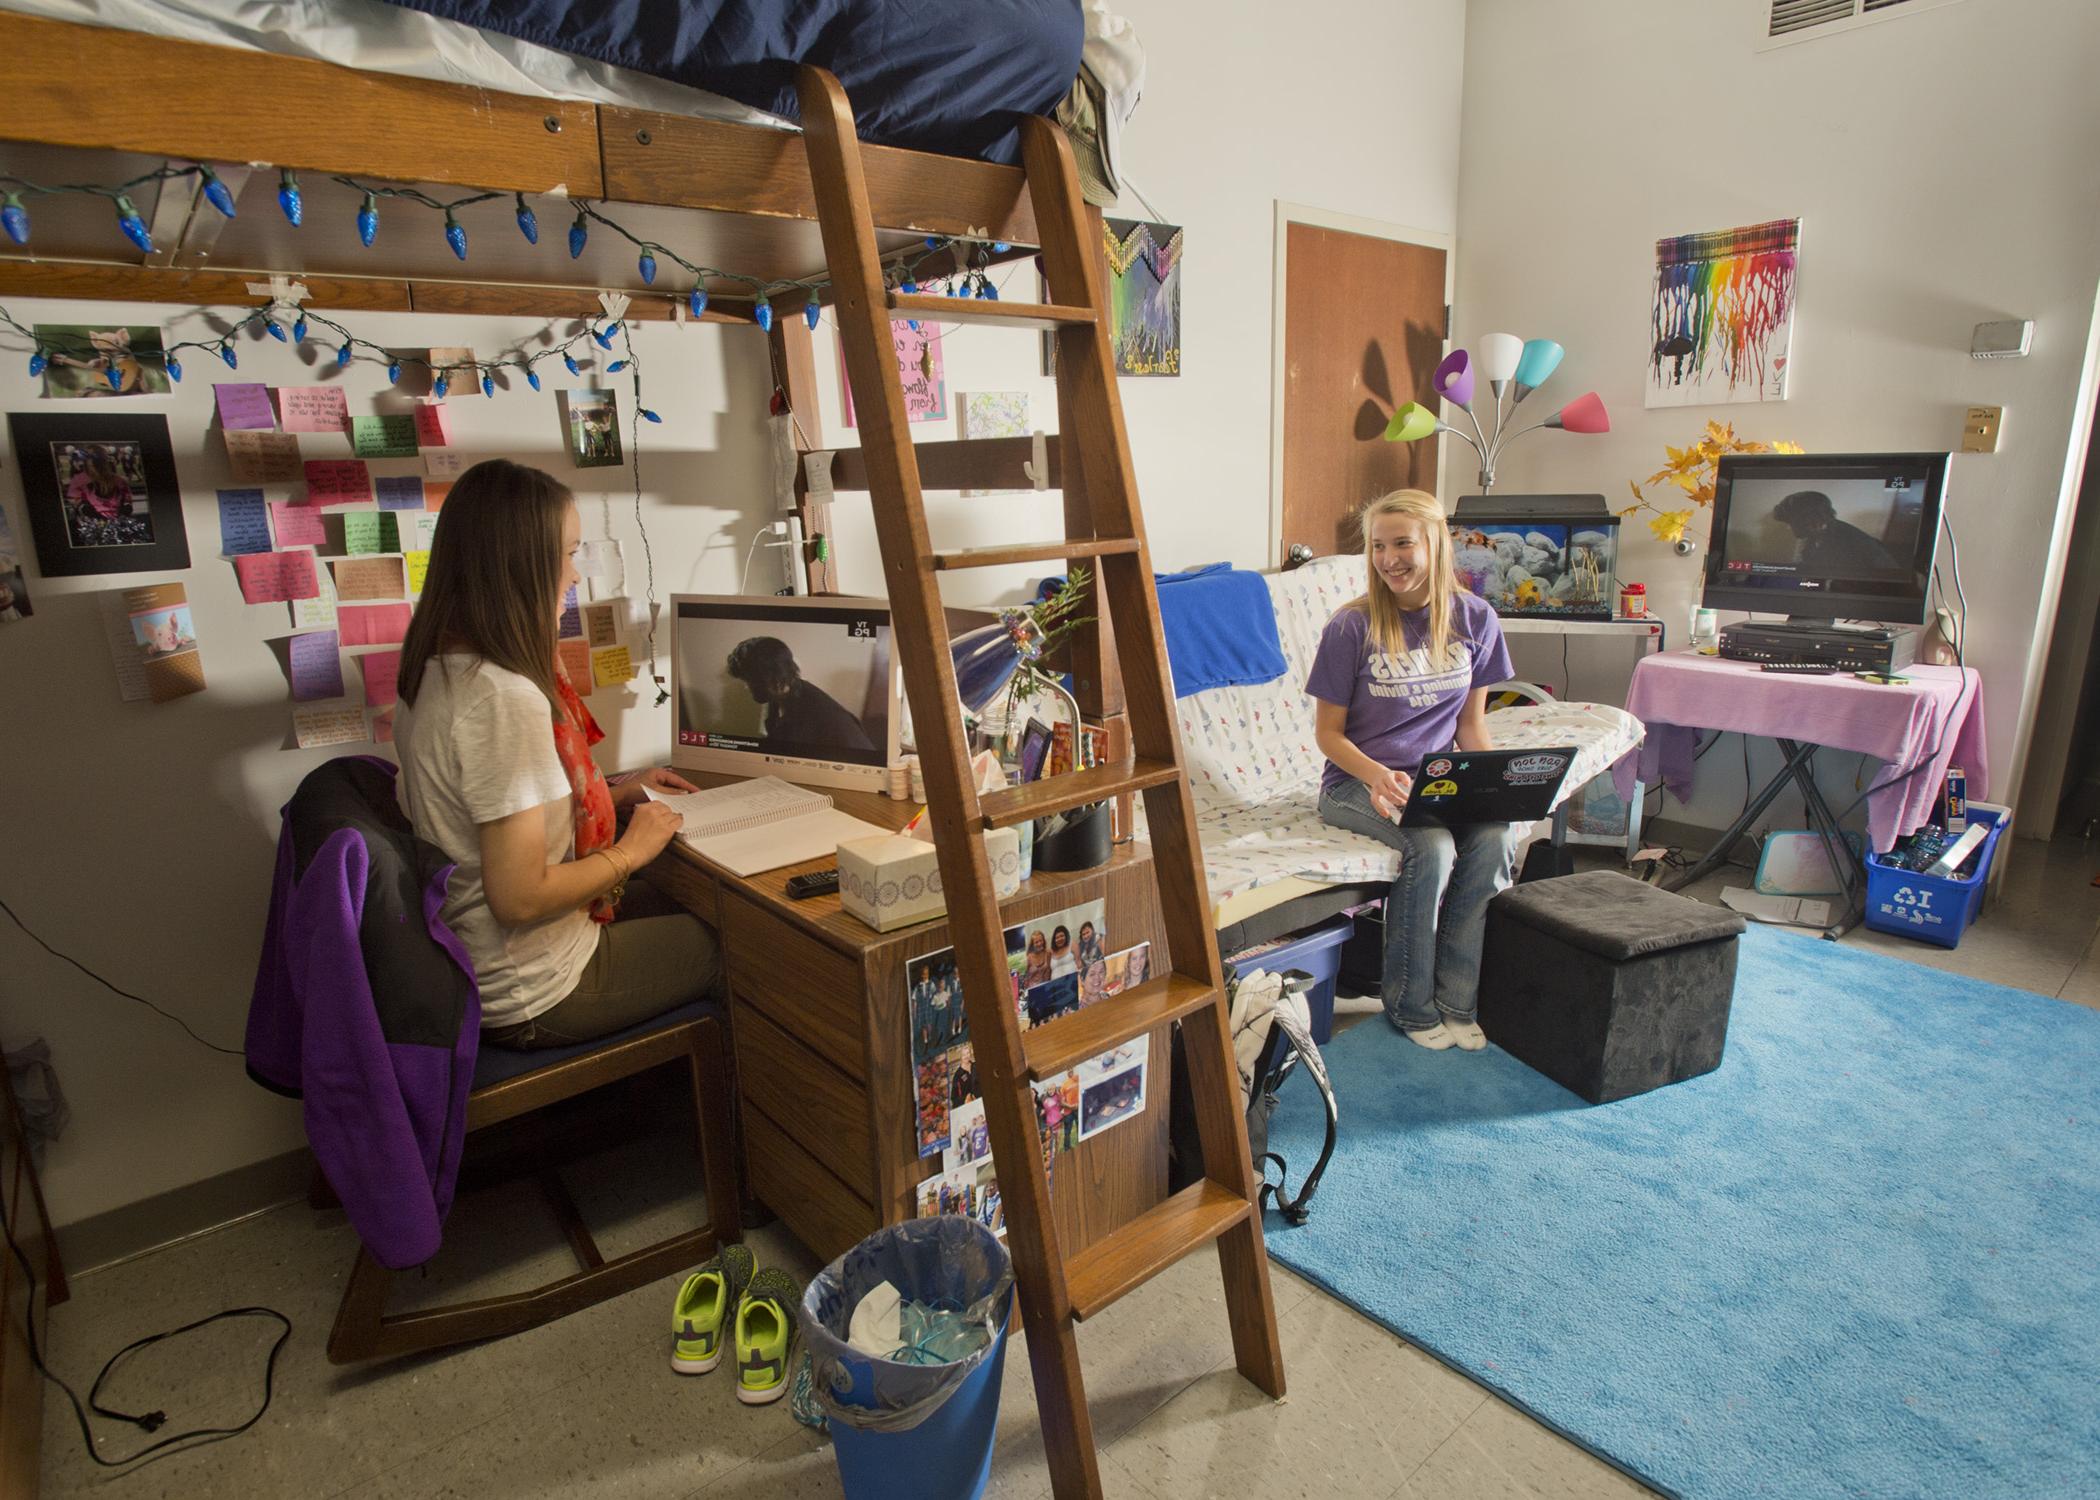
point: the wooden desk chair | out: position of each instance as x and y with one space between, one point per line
510 1083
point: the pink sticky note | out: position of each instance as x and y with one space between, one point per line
432 430
274 577
314 408
338 481
380 669
297 525
373 624
245 407
317 666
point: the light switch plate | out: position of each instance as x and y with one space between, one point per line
1979 429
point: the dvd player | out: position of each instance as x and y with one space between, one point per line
1851 648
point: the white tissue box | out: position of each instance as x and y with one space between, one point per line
894 881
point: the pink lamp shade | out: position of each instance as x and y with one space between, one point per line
1585 413
1454 378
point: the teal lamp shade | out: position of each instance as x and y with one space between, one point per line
1584 414
1496 358
1454 378
1411 422
1535 367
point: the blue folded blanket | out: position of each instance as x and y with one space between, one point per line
1220 627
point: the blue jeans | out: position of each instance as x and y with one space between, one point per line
1436 914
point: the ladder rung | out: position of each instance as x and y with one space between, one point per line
1109 1269
1072 1038
977 310
1055 794
993 557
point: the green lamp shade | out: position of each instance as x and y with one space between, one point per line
1410 422
1540 359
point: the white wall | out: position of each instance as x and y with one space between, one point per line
141 836
1943 166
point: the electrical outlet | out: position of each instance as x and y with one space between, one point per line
1979 429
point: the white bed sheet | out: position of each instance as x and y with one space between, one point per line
382 38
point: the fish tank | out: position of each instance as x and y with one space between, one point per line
1551 556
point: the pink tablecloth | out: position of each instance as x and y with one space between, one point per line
1680 693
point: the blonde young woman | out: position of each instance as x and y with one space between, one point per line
496 771
1400 674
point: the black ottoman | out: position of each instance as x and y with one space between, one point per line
1608 986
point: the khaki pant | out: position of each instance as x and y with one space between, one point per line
656 956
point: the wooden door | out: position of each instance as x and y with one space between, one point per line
1363 331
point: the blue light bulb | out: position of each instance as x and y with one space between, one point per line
532 377
912 324
650 416
276 330
570 360
215 192
987 291
342 356
616 367
909 287
455 236
233 361
37 361
288 197
299 330
368 220
173 367
603 336
133 226
14 218
442 385
115 378
933 242
696 301
528 224
1000 247
578 233
488 383
647 266
763 314
811 313
393 371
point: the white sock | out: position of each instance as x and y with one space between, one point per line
1436 1038
1467 1035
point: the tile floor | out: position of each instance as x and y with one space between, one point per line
588 1405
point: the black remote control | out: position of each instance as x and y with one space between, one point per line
816 883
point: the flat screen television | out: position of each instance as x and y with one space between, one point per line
802 689
1826 536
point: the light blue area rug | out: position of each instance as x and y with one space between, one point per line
1861 1258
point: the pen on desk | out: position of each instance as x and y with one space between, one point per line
916 819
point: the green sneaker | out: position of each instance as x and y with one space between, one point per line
700 1316
765 1330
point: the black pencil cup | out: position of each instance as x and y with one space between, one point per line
1081 844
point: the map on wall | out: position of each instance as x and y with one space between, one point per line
1721 322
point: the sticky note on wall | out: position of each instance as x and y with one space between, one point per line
610 666
263 457
338 481
244 525
359 578
273 577
316 666
383 437
245 407
314 408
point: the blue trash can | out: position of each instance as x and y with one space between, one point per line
889 1418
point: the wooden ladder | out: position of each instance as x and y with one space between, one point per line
1055 1290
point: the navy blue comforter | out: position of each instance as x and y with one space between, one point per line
952 76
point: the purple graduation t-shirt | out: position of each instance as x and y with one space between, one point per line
1402 708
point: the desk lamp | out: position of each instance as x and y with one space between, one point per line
987 658
1513 369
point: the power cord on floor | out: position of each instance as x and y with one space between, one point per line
116 989
151 1421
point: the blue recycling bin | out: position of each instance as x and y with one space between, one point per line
889 1418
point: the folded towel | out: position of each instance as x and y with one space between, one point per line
1220 627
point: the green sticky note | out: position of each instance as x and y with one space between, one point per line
370 531
383 437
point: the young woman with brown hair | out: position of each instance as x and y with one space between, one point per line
496 771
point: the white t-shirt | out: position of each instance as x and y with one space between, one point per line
476 746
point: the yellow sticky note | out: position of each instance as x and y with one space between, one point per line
610 666
418 566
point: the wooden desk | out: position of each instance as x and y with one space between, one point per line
821 1025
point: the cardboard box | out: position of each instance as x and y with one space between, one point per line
894 881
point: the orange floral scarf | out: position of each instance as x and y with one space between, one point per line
575 731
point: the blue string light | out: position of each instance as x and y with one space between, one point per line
811 313
488 383
14 218
393 372
442 385
299 330
455 236
276 329
650 416
603 336
696 301
133 226
1000 247
570 360
616 367
233 361
215 192
368 220
342 356
288 197
116 378
762 314
528 223
987 291
532 377
578 233
647 266
173 367
37 362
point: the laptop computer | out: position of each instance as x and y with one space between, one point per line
1457 787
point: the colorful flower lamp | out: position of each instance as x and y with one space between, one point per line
1513 368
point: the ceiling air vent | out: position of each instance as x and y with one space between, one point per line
1790 16
1783 21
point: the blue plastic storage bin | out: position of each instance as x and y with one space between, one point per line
1927 907
1317 952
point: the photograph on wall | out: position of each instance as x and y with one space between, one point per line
590 421
153 641
971 1138
994 414
1721 320
81 360
971 1190
14 589
101 493
1144 298
918 367
1058 946
937 1020
933 1084
1112 1087
1115 973
1057 1112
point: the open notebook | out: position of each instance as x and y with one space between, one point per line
761 824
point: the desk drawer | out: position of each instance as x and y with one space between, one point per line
822 1211
693 888
806 988
822 1110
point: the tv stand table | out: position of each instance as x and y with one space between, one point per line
1917 729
